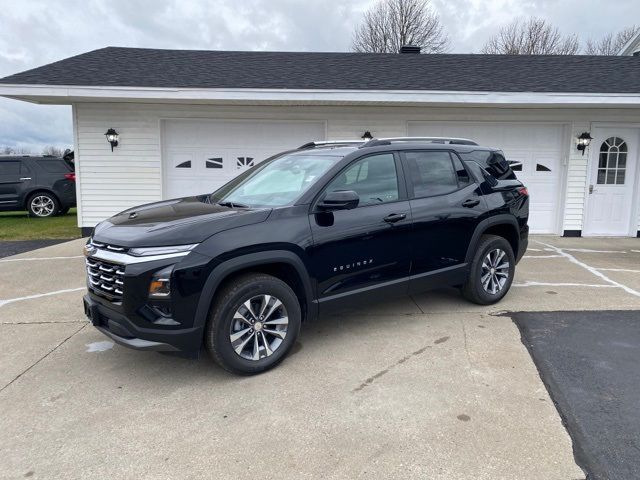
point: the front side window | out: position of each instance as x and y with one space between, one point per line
373 178
433 173
276 183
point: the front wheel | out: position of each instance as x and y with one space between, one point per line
253 324
492 271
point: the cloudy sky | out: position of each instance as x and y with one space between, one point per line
36 32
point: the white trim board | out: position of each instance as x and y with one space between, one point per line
66 94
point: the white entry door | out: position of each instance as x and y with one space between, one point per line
613 158
199 156
538 147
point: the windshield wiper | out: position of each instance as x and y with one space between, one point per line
233 205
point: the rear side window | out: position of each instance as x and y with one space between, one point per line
10 168
53 166
435 173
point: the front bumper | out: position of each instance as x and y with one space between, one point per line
124 332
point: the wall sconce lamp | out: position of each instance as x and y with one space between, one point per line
112 138
367 136
583 141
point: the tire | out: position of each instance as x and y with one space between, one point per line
488 260
43 205
64 210
230 316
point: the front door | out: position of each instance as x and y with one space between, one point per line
356 251
614 154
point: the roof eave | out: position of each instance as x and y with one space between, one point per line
68 94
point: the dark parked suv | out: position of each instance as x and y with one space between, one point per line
43 185
322 227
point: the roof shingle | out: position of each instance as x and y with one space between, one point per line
138 67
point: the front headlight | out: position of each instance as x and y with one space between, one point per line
160 285
148 251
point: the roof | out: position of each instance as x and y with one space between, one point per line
632 46
137 67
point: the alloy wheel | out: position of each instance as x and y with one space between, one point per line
259 327
42 206
495 271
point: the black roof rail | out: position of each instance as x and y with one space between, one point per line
328 143
374 142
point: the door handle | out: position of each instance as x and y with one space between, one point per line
25 178
470 203
395 217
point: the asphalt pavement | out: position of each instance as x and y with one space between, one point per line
589 363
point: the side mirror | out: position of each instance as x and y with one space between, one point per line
339 200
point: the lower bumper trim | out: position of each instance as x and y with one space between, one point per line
138 343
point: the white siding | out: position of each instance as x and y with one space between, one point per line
109 182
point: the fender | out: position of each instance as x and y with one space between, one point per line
483 226
242 262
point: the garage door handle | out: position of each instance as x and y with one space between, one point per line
470 203
395 217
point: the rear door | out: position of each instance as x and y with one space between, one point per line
446 206
12 176
355 252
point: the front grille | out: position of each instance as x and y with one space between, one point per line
106 278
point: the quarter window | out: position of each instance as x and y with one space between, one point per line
433 173
373 178
612 162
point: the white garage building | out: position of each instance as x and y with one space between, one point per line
188 121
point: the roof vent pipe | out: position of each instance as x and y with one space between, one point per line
410 49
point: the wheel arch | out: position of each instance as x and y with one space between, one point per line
504 226
282 264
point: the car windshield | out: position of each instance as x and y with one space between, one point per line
275 183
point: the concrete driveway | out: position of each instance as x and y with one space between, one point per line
430 387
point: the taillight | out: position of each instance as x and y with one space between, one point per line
523 191
70 176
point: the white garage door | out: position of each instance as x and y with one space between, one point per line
538 147
201 155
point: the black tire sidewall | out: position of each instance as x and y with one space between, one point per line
56 205
491 243
222 317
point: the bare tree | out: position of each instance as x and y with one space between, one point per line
53 151
533 36
390 24
611 44
7 150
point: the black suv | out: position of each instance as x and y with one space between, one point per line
322 227
43 185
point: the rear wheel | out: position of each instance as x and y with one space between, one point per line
253 324
491 272
43 205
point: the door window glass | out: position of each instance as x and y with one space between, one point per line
432 173
373 178
612 162
9 168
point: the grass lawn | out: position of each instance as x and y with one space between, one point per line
19 226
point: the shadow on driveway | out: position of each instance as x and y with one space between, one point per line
15 247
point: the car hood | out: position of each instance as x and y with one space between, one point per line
180 221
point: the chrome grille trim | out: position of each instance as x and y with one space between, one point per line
105 279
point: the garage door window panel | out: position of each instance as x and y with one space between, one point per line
374 179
